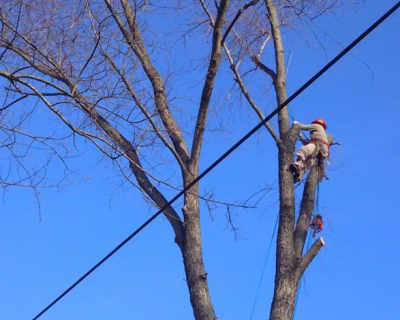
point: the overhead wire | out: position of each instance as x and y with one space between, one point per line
226 154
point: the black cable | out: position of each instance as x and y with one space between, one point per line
227 153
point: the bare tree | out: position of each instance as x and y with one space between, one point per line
112 76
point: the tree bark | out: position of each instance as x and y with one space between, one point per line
306 210
284 295
288 272
285 280
196 276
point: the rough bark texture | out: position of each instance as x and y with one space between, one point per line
290 265
306 210
191 246
285 280
196 276
284 293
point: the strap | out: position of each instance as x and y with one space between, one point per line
315 142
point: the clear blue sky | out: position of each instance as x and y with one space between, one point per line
356 276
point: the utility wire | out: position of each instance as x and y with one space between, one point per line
226 154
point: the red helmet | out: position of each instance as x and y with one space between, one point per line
321 122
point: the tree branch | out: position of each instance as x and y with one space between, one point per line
309 256
238 14
245 92
208 85
146 113
121 142
263 67
12 103
306 210
279 83
26 57
133 37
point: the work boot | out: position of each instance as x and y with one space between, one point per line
296 172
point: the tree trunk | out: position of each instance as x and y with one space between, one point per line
285 279
196 276
285 294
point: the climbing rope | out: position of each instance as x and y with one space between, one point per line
290 113
265 264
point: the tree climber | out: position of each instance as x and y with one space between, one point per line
316 149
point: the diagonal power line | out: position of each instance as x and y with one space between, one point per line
226 154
